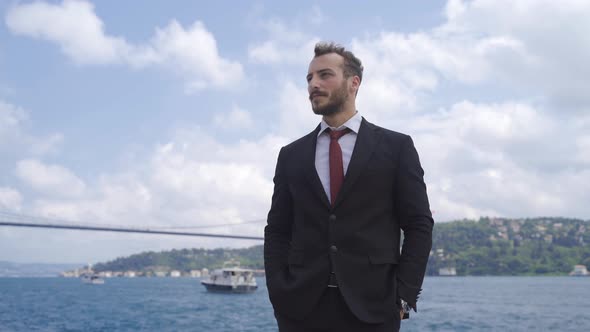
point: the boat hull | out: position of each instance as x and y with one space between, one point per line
242 289
93 281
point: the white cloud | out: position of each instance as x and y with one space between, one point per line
74 26
454 8
506 159
266 52
236 119
46 145
537 49
544 45
198 181
497 125
193 180
296 116
286 42
11 121
195 50
119 199
316 16
383 100
50 179
402 56
583 148
10 199
196 173
284 45
403 71
15 136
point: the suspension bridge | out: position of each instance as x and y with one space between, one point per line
9 219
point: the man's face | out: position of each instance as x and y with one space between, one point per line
327 87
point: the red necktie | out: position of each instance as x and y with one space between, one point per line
336 167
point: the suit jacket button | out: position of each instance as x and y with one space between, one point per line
332 217
333 248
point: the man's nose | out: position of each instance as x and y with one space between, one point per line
313 84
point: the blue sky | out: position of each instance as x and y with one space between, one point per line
172 113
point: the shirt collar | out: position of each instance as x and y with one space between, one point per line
354 124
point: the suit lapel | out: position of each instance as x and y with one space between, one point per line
366 142
308 164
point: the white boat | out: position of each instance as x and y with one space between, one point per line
231 280
580 271
447 272
93 279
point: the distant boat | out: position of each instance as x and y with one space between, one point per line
92 279
231 280
447 271
579 271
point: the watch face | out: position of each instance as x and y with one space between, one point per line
405 306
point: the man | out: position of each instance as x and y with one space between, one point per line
342 195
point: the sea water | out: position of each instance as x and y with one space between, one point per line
182 304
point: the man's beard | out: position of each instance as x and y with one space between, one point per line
335 103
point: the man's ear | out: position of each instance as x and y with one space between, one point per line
355 83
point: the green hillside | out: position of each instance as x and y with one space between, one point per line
498 246
488 246
184 260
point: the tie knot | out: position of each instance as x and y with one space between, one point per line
336 134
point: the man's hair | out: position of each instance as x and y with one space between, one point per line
352 65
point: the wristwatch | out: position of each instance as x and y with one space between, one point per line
406 309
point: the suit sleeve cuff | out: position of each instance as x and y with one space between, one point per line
408 294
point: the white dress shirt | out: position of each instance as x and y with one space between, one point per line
322 149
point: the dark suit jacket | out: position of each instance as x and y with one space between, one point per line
359 238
